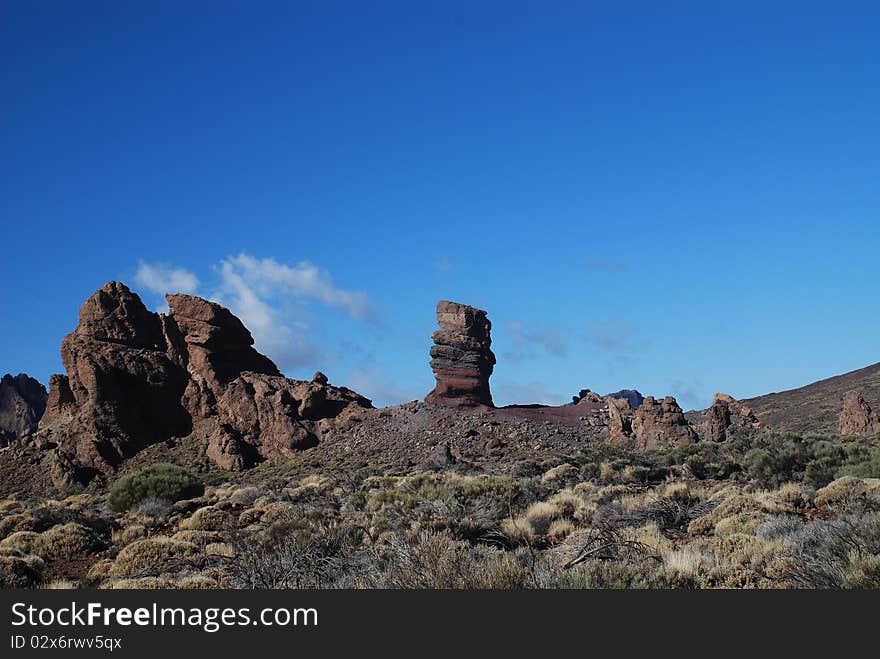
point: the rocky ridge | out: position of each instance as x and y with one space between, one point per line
136 378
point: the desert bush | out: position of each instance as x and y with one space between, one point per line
209 518
437 561
834 553
299 560
163 481
19 571
155 508
65 541
153 556
779 527
20 541
617 575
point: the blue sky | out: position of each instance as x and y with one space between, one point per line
677 197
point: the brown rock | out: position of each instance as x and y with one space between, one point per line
857 417
620 416
726 416
661 423
319 378
22 403
461 357
137 378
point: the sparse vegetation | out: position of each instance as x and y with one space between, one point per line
781 511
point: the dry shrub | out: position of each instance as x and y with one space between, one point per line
737 504
245 496
209 518
197 582
849 492
20 541
60 584
198 537
19 571
100 570
140 583
128 534
219 549
437 561
559 473
66 541
17 522
153 555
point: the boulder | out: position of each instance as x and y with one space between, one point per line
857 417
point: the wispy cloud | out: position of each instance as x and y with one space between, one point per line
161 278
269 297
305 281
548 338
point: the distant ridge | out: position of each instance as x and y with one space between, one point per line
815 407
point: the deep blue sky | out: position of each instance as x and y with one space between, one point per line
677 197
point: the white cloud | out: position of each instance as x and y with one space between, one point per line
306 281
161 278
267 296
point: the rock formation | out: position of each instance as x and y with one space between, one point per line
135 378
22 403
632 396
726 416
585 395
857 417
461 357
654 424
620 416
661 424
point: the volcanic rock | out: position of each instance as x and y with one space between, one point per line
857 417
461 357
661 423
135 378
632 396
620 416
585 395
726 416
22 403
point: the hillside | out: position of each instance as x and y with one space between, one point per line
815 407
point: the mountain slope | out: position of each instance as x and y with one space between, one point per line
816 406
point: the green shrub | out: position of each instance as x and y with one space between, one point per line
162 480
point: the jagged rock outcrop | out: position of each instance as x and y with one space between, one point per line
461 357
654 424
661 423
620 416
22 403
135 378
727 416
632 396
585 396
857 417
